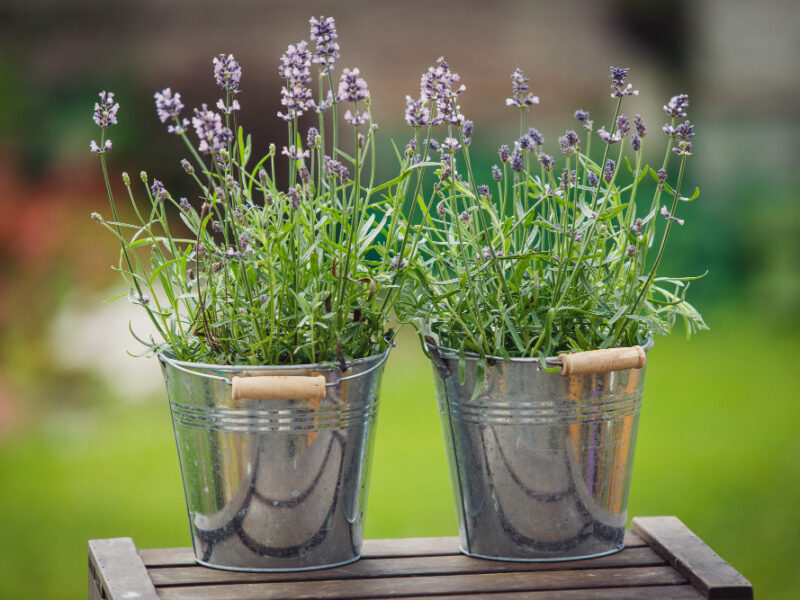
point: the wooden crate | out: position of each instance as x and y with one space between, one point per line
662 559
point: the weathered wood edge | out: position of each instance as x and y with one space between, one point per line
692 558
118 571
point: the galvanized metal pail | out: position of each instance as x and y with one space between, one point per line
275 460
540 463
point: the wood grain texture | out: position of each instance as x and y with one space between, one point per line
119 573
673 592
413 566
691 557
431 585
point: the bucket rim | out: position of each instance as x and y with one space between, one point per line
300 366
446 352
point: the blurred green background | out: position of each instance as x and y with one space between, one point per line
86 447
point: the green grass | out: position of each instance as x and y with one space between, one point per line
717 447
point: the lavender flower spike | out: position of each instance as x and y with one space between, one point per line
212 134
295 68
323 32
676 108
619 87
168 108
417 112
105 111
437 86
227 72
519 87
98 149
352 87
583 117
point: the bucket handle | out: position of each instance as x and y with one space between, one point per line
602 361
272 387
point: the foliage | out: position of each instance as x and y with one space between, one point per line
259 274
538 264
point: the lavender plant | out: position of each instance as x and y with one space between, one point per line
256 273
548 254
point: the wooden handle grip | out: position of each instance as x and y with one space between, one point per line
279 387
602 361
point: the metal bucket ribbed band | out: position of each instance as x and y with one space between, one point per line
543 412
261 420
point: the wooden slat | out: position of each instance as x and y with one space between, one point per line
672 592
117 570
402 567
692 557
173 557
419 586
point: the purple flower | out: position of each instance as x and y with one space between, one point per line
636 142
295 153
187 166
662 177
333 168
519 87
212 134
631 250
467 131
227 72
244 243
483 190
637 226
234 106
98 149
607 137
411 147
417 112
450 145
352 87
465 218
623 125
618 86
684 148
592 179
356 118
567 179
666 214
677 105
503 152
441 210
684 131
497 174
295 69
311 137
569 143
609 170
397 263
546 161
434 146
639 125
437 87
517 163
169 107
305 176
294 198
185 204
323 32
583 117
538 138
159 191
105 111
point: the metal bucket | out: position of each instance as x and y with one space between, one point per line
275 460
540 463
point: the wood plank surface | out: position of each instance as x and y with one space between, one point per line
448 584
401 567
673 592
691 557
117 571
